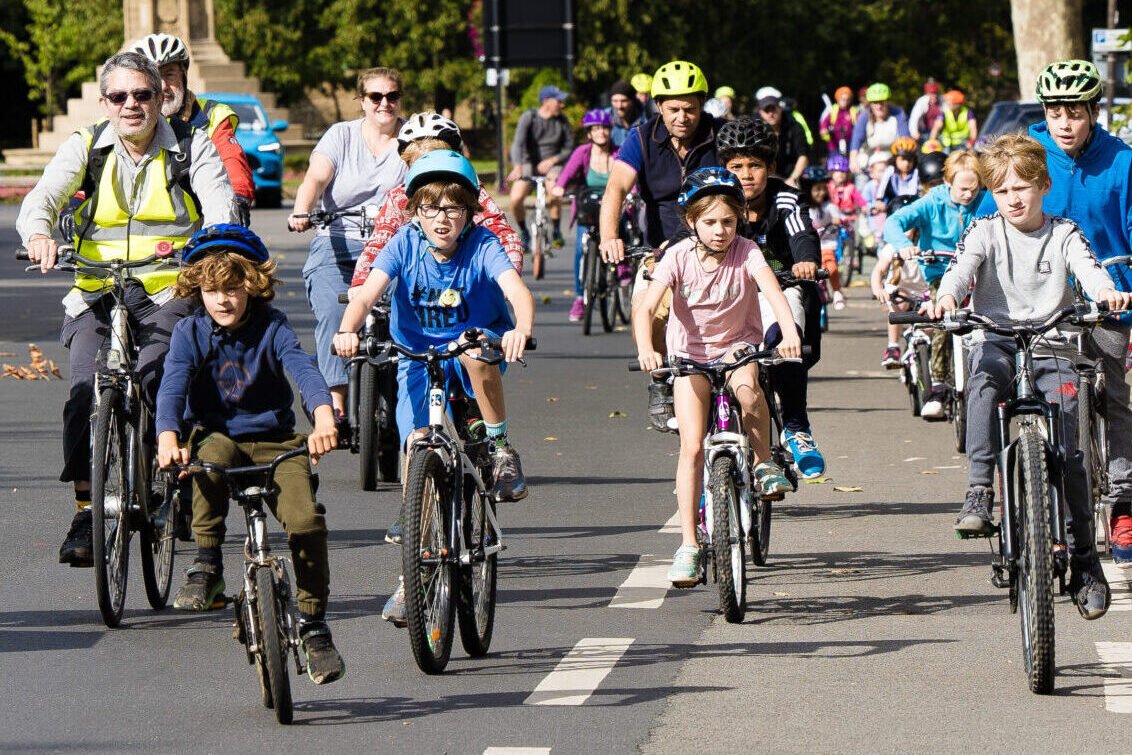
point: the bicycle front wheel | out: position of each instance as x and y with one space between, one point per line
476 609
109 502
591 268
425 551
1035 568
608 300
727 540
367 426
959 422
273 646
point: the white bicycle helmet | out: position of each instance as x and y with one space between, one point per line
429 125
162 49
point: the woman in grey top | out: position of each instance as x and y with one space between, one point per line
355 163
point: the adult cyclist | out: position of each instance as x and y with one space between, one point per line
655 157
216 119
1091 184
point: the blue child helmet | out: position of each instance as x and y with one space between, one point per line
224 237
441 165
704 181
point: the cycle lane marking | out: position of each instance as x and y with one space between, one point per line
579 673
1117 657
1118 585
517 751
647 585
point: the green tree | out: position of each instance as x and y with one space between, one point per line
57 50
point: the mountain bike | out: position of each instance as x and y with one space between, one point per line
264 610
733 516
371 407
1031 550
541 239
124 499
452 540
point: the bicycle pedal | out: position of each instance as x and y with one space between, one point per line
976 535
220 601
773 497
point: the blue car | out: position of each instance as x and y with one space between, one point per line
261 146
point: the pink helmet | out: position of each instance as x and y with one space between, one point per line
597 117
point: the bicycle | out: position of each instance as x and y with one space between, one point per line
371 407
731 515
360 218
122 492
1031 535
541 241
452 539
264 610
846 252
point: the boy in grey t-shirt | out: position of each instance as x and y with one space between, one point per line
542 144
1020 261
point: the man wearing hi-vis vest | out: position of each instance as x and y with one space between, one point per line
156 185
217 119
956 127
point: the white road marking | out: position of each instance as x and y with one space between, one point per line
577 675
1118 585
646 586
1117 656
517 751
672 526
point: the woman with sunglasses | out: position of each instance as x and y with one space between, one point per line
355 163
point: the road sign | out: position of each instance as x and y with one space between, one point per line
1111 40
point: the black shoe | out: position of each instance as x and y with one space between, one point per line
324 664
661 411
1089 589
975 518
78 548
507 471
203 589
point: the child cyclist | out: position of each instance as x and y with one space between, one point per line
940 216
715 278
904 179
826 219
1021 262
897 273
224 378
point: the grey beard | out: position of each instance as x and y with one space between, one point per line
173 107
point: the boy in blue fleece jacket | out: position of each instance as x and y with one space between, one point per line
224 378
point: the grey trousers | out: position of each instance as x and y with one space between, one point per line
1110 345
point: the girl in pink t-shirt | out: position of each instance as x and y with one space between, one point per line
715 278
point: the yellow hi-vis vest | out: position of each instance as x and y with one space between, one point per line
212 114
956 128
166 211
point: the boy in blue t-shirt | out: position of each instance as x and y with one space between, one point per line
451 276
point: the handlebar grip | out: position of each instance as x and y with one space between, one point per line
22 254
496 344
807 350
821 274
634 366
343 298
909 318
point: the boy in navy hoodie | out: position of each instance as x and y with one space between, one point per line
224 381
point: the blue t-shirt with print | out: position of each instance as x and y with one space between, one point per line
434 302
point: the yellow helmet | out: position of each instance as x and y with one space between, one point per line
642 82
679 78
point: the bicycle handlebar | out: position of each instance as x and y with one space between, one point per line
196 466
965 318
323 218
69 260
474 339
685 366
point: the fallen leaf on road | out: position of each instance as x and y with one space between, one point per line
616 413
551 399
591 387
848 489
545 300
566 292
7 353
916 458
818 481
550 438
929 471
844 571
949 466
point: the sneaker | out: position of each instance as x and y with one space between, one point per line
974 518
624 274
204 583
838 300
1089 589
891 359
661 411
324 664
685 569
393 534
1122 537
556 239
78 547
578 310
394 609
771 480
507 471
807 458
933 407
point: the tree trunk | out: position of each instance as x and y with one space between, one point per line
1045 31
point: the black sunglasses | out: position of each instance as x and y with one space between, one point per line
140 96
377 97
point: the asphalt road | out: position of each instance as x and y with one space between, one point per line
872 629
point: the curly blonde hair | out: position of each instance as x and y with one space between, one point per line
224 271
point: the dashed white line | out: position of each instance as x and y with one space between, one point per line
646 586
1117 656
576 676
517 751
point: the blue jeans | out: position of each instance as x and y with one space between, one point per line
579 251
327 274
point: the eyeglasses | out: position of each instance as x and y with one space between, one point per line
430 211
141 96
377 97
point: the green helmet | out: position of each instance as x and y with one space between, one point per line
1069 81
878 92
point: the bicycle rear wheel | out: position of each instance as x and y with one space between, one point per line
760 531
425 550
1090 440
158 545
1035 568
476 607
727 540
109 501
538 250
590 272
273 646
367 426
608 299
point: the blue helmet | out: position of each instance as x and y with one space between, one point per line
705 181
224 237
441 165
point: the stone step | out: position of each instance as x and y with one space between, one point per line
218 70
235 86
27 157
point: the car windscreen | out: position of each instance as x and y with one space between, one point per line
251 116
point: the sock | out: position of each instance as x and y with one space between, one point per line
307 619
210 556
497 432
892 345
82 500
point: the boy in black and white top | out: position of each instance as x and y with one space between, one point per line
1020 261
